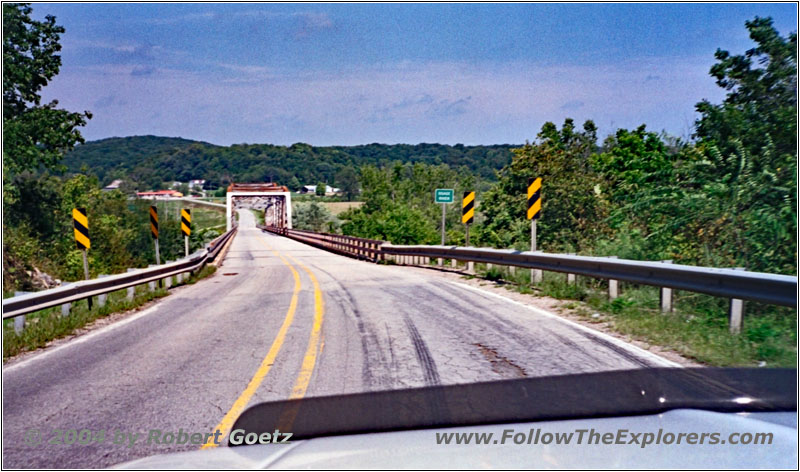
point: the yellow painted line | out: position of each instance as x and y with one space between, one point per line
310 359
313 352
239 405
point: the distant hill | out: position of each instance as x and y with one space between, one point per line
151 160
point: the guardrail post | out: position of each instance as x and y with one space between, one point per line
19 324
65 309
168 280
471 267
19 321
613 286
665 298
152 284
488 267
736 312
512 270
536 274
101 299
454 263
131 290
571 277
440 262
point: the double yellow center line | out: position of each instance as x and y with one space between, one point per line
309 360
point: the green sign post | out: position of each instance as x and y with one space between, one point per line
444 196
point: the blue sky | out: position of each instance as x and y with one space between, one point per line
348 74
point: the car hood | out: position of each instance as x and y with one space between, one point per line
418 449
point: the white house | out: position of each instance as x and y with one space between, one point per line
113 185
312 189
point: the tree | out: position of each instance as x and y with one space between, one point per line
34 134
570 208
741 193
347 181
320 192
761 104
311 216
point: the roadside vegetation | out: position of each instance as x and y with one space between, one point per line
697 328
44 326
38 196
724 197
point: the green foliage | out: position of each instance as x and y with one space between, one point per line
347 181
149 160
399 206
311 216
570 203
320 189
34 134
761 104
38 230
398 224
728 200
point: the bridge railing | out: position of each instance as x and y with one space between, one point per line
360 248
735 284
20 305
729 283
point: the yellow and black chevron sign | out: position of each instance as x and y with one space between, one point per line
154 222
534 198
81 224
468 208
186 221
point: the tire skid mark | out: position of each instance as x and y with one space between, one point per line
622 352
429 371
619 350
376 372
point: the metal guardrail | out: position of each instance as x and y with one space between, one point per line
360 248
196 201
23 304
729 283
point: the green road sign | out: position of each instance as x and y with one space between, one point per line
444 195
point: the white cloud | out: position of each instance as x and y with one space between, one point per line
405 102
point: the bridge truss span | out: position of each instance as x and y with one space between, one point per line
274 200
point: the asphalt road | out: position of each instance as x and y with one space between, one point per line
280 319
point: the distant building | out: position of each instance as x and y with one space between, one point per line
312 189
197 183
113 185
159 195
